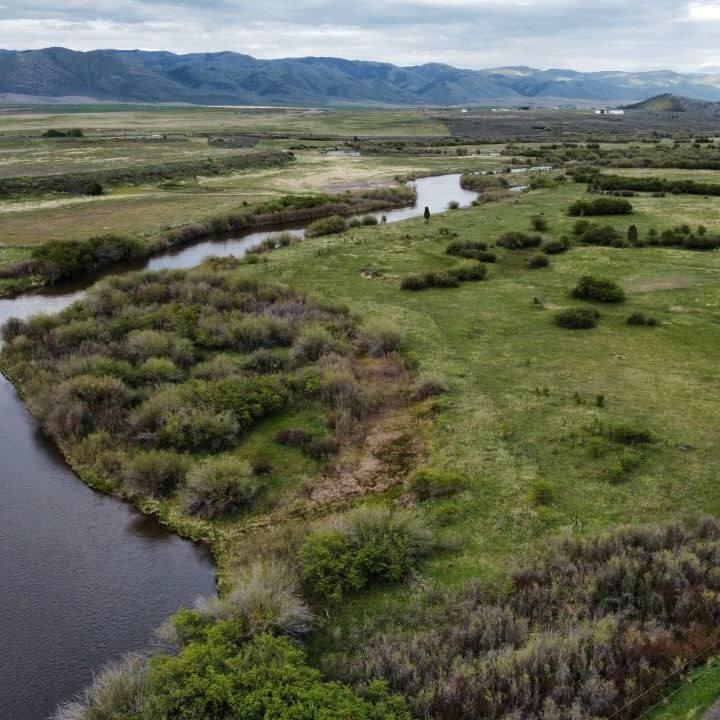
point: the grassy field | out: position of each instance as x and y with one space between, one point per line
522 399
693 698
145 210
226 120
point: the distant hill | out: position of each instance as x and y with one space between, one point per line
236 79
668 102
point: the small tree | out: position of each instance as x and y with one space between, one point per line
426 214
632 235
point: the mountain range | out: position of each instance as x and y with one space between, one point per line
229 78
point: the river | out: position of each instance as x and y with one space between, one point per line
83 577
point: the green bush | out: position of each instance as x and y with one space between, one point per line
576 318
604 235
379 337
155 472
542 493
468 272
535 262
469 249
430 483
414 282
326 226
219 486
580 227
554 247
598 290
312 343
372 545
538 223
515 240
429 280
601 206
640 318
487 257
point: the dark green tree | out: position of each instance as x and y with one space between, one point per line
632 235
426 214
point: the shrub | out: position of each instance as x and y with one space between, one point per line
453 205
542 493
515 240
632 235
469 249
427 387
601 206
468 272
414 282
442 280
371 545
627 434
293 436
598 289
640 318
312 343
580 226
604 235
487 257
119 690
554 247
429 483
577 318
326 226
379 337
155 472
535 262
538 223
219 486
268 360
321 448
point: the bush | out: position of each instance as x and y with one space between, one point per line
155 472
576 318
538 223
554 247
535 262
313 343
487 257
542 493
326 226
453 205
601 206
628 434
379 337
640 318
414 282
371 545
604 235
470 249
468 272
321 448
442 280
219 486
598 289
293 436
515 240
580 226
427 387
429 483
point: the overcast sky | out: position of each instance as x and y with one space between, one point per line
579 34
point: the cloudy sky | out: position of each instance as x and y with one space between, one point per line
580 34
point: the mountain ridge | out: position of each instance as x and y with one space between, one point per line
228 77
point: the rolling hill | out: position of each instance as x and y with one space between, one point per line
233 78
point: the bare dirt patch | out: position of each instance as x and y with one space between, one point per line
674 281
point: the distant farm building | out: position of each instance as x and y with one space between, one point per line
603 111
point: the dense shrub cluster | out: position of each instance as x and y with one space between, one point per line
534 262
470 249
369 546
326 226
515 240
231 658
598 290
149 369
641 318
654 185
576 318
601 206
683 236
476 182
468 271
555 247
591 631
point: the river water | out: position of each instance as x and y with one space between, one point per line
83 577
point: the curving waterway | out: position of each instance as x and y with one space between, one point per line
83 577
